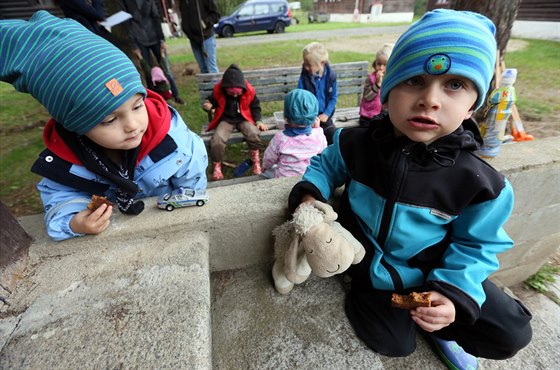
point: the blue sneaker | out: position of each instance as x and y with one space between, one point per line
453 355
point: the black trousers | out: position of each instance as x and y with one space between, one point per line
501 331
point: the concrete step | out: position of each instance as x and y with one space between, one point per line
254 327
142 304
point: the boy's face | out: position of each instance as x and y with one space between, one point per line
124 128
312 67
427 107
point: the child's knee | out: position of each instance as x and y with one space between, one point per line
508 345
378 333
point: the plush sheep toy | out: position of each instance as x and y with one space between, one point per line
312 242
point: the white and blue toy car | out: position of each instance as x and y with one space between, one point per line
182 197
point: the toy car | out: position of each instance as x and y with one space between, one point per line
182 198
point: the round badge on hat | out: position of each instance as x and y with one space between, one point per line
438 64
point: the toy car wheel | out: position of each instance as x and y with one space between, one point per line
279 27
227 31
200 203
169 207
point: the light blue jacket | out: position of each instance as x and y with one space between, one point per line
155 174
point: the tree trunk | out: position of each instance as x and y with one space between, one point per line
503 14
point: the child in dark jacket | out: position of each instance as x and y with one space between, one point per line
236 105
318 77
108 135
428 210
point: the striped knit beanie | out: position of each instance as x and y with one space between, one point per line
78 76
445 41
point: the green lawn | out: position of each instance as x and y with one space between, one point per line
20 139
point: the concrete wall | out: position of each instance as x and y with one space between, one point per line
239 218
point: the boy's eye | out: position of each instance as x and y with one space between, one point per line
414 81
109 121
138 106
456 84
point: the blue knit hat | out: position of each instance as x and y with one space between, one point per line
444 41
78 76
300 107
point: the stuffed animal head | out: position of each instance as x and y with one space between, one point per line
327 251
320 243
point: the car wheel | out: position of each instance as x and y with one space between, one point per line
200 203
279 27
227 31
169 207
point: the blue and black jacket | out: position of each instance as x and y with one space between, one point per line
430 216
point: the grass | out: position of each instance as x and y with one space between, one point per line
543 278
537 83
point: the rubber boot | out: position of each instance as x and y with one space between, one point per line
217 174
255 157
453 355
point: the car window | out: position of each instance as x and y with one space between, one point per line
277 7
246 11
261 9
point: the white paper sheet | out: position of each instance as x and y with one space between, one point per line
115 19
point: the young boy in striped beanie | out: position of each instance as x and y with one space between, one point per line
108 135
428 210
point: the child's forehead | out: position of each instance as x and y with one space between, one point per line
442 77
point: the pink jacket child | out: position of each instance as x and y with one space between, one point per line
371 104
290 151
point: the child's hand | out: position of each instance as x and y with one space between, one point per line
323 117
307 199
88 222
261 126
440 315
207 106
379 77
317 123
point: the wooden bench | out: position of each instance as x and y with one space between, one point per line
273 84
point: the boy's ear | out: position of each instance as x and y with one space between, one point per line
470 112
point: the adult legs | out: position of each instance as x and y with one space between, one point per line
210 55
205 55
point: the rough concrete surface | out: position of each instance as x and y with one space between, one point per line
139 305
254 327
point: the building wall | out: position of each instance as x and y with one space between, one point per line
348 6
529 10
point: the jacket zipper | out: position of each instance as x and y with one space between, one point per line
397 176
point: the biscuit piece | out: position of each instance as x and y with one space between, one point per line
97 201
410 301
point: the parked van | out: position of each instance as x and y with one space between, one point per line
255 15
